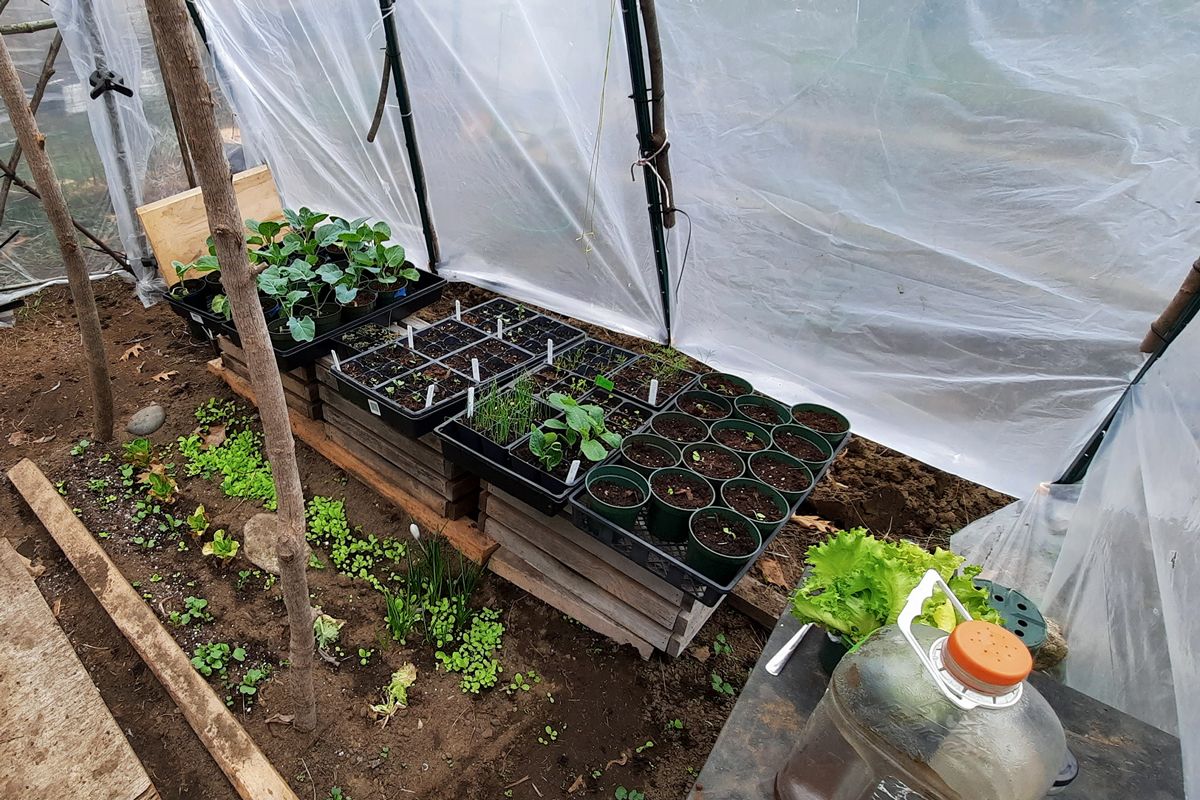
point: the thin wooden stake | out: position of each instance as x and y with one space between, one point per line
34 145
34 103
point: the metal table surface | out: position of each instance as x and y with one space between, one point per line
1120 758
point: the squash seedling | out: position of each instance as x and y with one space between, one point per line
223 546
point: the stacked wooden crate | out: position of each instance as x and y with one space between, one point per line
299 385
415 465
563 566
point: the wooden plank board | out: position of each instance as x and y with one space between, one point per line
451 509
304 375
572 583
177 226
563 527
310 408
231 747
689 624
54 726
758 601
591 567
513 569
307 390
462 533
455 489
420 449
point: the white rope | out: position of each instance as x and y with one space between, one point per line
648 161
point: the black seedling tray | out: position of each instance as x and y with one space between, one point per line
346 347
202 323
532 334
666 559
483 316
599 358
664 400
428 289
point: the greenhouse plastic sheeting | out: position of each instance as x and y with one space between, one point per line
1126 581
953 221
507 104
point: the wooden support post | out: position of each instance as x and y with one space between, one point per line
231 747
34 145
176 42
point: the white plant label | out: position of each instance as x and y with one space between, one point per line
374 406
337 364
196 317
475 369
653 399
470 401
410 338
573 471
429 395
458 310
550 351
499 327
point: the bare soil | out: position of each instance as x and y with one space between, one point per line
602 700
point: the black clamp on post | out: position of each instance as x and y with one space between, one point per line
105 80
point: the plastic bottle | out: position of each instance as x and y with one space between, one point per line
919 715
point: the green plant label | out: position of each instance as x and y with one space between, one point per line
604 383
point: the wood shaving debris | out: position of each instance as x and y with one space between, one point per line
577 785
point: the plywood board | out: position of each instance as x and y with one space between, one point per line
231 747
57 738
177 226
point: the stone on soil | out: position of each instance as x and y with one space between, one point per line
258 542
147 421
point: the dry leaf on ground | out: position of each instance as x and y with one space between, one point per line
773 572
215 436
163 377
701 654
815 523
133 352
18 438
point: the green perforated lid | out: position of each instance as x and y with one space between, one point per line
1021 615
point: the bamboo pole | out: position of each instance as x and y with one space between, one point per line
34 103
1181 306
658 135
172 31
34 145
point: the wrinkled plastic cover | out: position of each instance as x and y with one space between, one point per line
506 100
1119 568
952 221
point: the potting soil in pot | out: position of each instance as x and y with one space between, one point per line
368 336
781 476
615 494
714 464
799 447
723 387
750 502
698 408
764 414
736 439
678 430
626 420
682 491
725 536
819 421
648 455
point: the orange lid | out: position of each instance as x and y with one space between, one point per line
989 654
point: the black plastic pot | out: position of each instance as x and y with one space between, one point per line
764 526
387 292
191 290
782 412
358 310
622 476
718 566
653 440
281 337
665 521
213 281
832 651
834 439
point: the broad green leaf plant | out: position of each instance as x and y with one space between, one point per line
584 425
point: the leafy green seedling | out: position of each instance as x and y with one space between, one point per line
629 794
395 694
198 522
326 629
335 793
649 743
675 724
551 736
81 448
720 685
195 610
139 453
223 546
364 656
162 487
721 646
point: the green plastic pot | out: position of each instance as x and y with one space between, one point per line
666 445
781 503
702 447
353 312
718 567
734 379
666 415
665 521
281 337
622 476
808 435
739 403
328 316
834 439
744 425
777 455
707 398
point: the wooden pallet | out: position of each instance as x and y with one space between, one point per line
415 465
563 566
54 726
299 385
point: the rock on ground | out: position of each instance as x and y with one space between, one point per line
258 542
147 421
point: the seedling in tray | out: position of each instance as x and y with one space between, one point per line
484 316
505 415
411 391
634 380
445 337
532 334
495 358
366 337
592 358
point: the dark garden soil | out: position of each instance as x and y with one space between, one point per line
722 386
750 502
614 494
745 441
714 464
678 430
606 701
798 446
725 536
648 455
779 475
819 421
682 491
701 409
635 379
765 415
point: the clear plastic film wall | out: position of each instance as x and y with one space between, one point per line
953 221
1116 559
509 99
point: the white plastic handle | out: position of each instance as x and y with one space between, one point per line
912 609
